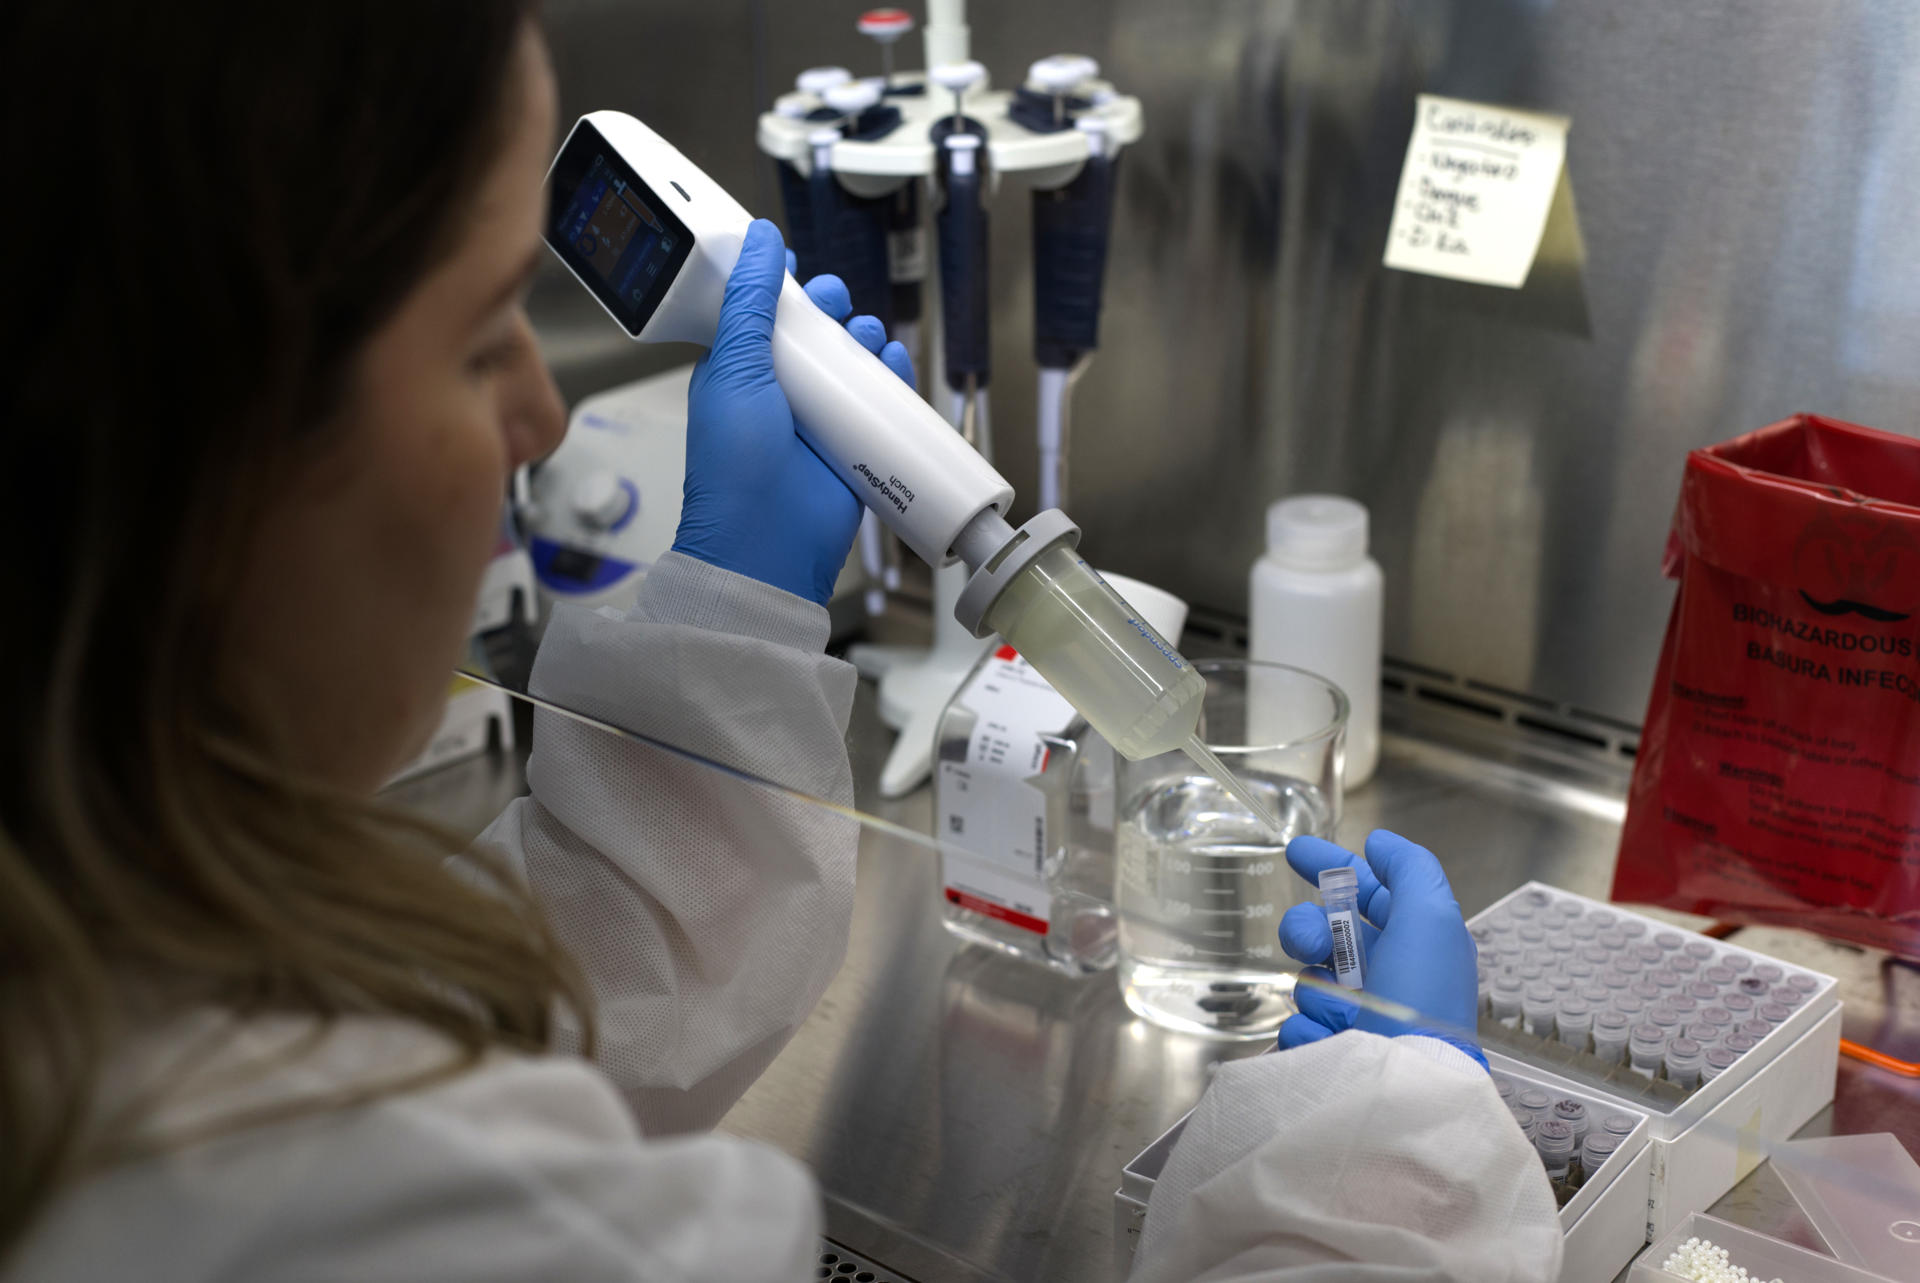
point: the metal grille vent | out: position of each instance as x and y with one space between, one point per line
838 1263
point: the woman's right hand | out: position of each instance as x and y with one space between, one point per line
1418 951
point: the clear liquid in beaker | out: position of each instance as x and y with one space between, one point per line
1201 886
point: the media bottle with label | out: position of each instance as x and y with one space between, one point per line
1024 808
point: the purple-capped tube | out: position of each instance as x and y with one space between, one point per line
1610 1034
1633 928
1700 949
1680 1002
1702 992
1649 955
1703 1033
1553 1140
1774 1014
1574 1114
1755 1029
1804 983
1685 964
1723 976
1683 1060
1666 978
1739 1043
1664 1016
1646 1049
1521 1116
1582 929
1503 1000
1716 1062
1788 998
1736 962
1573 1021
1717 1017
1629 1006
1740 1004
1537 1005
1769 972
1753 986
1595 1151
1598 955
1671 941
1612 939
1580 969
1602 917
1596 993
1645 990
1535 1101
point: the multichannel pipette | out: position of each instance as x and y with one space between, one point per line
654 239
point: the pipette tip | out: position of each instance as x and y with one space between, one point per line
1212 765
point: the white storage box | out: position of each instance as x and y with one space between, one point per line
1707 1140
1602 1222
1693 1146
1762 1256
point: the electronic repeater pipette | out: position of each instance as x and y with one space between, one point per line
654 239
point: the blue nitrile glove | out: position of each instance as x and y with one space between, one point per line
1418 951
758 501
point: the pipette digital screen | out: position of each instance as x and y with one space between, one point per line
612 229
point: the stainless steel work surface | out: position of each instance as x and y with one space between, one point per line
968 1115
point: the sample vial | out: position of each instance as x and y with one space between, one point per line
1715 1016
1530 972
1617 981
1739 1043
1580 969
1685 964
1669 941
1602 918
1700 949
1804 983
1535 1101
1736 962
1664 1016
1573 1021
1768 972
1753 986
1553 1140
1702 991
1574 1114
1788 998
1650 955
1582 929
1666 979
1683 1060
1596 1150
1505 1087
1740 1004
1774 1014
1755 1029
1680 1002
1613 939
1721 976
1522 1117
1628 1005
1646 1049
1504 1000
1532 934
1537 1005
1340 897
1703 1033
1716 1062
1619 1126
1610 1029
1598 954
1633 928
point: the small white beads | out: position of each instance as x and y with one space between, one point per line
1698 1259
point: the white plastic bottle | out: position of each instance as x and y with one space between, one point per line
1314 601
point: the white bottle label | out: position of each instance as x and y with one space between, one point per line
993 814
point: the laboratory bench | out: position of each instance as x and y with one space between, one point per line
968 1114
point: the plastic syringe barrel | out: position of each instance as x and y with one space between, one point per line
892 448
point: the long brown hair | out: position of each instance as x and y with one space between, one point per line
222 201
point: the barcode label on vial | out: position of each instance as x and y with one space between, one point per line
1345 963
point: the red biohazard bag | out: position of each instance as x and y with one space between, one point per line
1779 771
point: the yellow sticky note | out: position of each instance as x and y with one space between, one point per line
1475 191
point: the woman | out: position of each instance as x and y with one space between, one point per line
268 375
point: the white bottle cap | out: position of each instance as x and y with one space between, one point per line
958 76
1060 72
1317 532
852 97
817 80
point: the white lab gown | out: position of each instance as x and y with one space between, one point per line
710 915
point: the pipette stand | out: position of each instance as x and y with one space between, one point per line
916 684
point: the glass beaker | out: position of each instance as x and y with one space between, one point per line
1199 883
